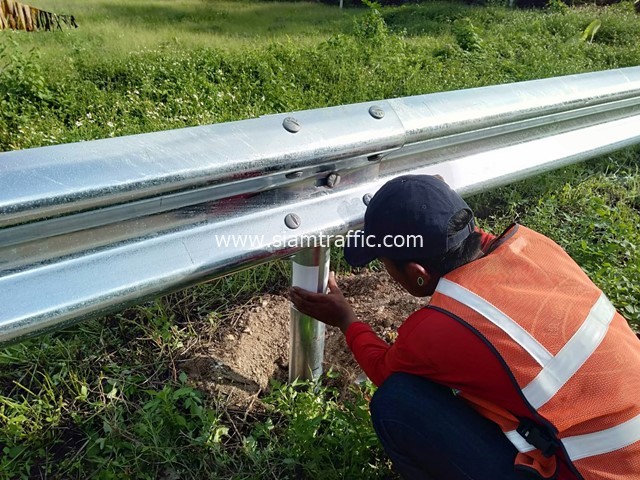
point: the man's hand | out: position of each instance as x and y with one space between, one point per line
330 308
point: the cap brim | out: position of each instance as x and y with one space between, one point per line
357 254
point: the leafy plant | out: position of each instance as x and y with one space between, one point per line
466 35
22 81
317 422
590 32
371 26
557 6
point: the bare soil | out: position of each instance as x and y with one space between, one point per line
238 362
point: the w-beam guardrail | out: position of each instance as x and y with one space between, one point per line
89 228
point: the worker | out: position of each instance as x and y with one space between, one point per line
518 367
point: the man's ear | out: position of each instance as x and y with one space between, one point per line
440 177
420 288
414 270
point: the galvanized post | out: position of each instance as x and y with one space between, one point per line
310 270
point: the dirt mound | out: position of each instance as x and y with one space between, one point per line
254 348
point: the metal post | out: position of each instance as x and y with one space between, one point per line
310 270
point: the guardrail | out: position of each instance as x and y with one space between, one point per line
89 228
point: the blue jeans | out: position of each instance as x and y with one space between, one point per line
431 434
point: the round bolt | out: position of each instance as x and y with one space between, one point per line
376 112
297 174
367 198
290 124
333 179
292 220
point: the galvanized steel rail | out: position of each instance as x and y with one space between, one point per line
92 227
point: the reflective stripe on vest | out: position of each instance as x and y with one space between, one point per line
519 442
582 446
604 441
556 370
498 318
572 356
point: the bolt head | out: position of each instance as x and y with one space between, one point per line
292 220
296 174
333 179
367 198
291 124
376 112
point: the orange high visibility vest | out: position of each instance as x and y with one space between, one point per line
574 358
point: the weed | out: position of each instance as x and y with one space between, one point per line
591 30
557 6
21 79
316 423
372 26
466 35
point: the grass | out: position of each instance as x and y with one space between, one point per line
115 26
107 399
115 87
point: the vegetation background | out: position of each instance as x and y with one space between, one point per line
103 399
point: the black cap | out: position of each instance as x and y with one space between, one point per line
407 219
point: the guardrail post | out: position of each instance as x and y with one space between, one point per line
310 270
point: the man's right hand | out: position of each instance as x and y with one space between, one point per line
330 308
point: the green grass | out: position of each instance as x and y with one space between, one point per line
107 399
116 27
92 89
